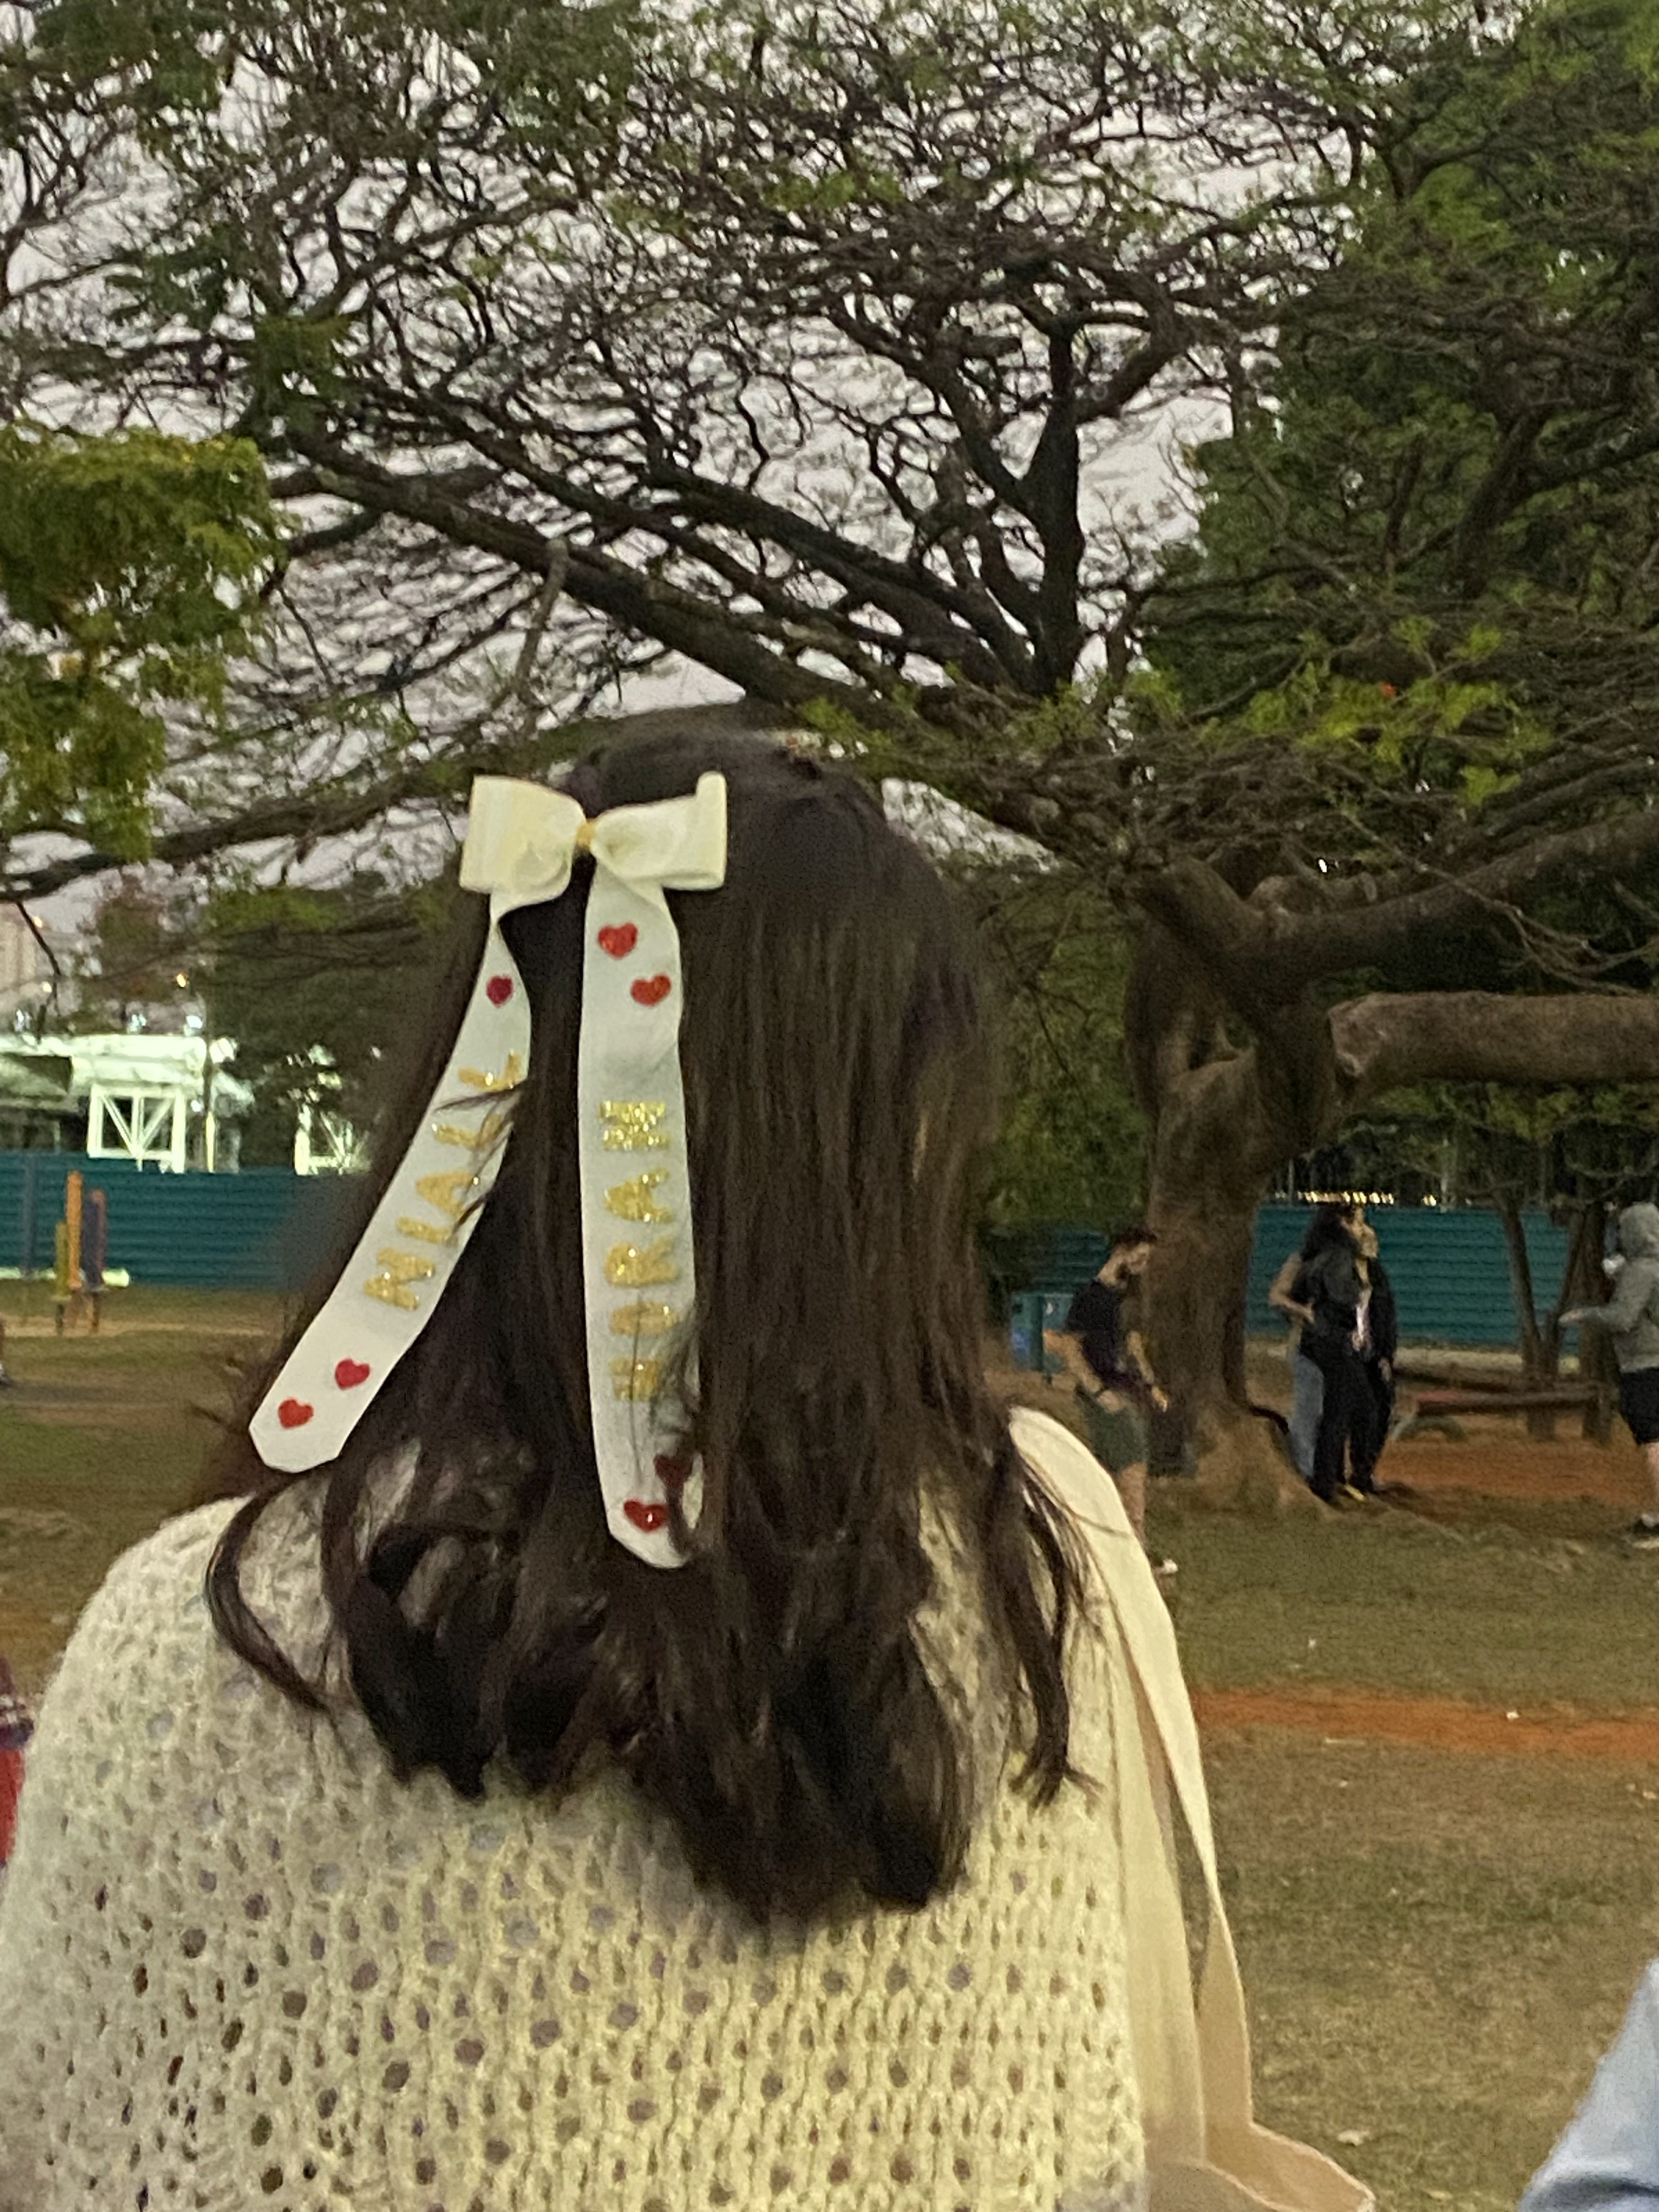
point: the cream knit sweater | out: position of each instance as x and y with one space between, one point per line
241 1966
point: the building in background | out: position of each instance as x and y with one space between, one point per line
163 1101
26 970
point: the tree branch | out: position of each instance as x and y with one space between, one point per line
1263 958
1479 1036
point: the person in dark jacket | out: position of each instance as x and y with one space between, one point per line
1378 1346
1328 1290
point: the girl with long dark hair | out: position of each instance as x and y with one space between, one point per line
1328 1292
641 1731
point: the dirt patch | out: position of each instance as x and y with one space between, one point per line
1496 1459
1433 1723
1493 1457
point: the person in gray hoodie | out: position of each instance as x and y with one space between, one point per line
1631 1316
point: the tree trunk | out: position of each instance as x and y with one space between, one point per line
1217 1140
1224 1116
1195 1312
1538 1355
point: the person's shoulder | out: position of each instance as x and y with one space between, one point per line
151 1609
149 1583
131 1627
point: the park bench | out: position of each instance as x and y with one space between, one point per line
1438 1408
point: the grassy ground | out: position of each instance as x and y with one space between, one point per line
102 1440
1437 1945
1492 1615
1436 1949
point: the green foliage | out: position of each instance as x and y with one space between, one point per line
127 565
1424 545
1548 1145
142 938
316 985
1072 1143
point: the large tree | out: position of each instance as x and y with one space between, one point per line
1416 633
817 345
782 342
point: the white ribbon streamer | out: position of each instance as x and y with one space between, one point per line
639 1270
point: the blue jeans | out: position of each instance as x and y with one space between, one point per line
1608 2159
1307 1403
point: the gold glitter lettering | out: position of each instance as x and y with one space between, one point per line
446 1193
633 1125
645 1317
398 1271
635 1266
424 1232
633 1201
480 1078
472 1140
635 1378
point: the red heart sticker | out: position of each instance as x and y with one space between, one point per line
498 990
294 1413
651 989
349 1373
648 1517
618 939
672 1474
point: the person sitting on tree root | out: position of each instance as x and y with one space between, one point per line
1109 1365
1631 1317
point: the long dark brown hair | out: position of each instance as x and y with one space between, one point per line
771 1694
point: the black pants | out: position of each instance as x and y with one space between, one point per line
1346 1401
1374 1418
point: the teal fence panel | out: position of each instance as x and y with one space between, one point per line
265 1229
268 1229
1449 1269
1447 1266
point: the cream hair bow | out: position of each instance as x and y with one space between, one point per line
639 1270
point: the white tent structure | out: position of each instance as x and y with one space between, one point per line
159 1101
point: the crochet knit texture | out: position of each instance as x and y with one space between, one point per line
241 1966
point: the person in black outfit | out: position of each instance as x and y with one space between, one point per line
1329 1288
1109 1370
1379 1347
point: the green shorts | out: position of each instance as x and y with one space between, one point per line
1118 1440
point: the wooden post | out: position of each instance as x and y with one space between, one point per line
94 1252
73 1200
